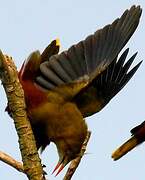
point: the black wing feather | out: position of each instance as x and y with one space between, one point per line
105 86
92 56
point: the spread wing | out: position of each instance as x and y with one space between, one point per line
30 67
105 86
77 68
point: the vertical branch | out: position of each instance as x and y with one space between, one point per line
15 96
75 163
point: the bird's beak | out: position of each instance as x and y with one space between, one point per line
60 165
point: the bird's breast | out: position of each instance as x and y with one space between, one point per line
61 120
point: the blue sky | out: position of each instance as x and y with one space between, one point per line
30 25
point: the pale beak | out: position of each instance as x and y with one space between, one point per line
60 165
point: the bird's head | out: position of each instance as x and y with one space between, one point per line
69 148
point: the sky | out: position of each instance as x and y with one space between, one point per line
30 25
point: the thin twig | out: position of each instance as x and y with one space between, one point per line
74 164
11 161
16 102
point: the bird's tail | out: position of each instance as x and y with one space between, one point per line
125 148
138 136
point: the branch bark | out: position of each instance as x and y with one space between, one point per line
11 161
75 163
15 95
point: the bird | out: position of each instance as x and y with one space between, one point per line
62 89
138 137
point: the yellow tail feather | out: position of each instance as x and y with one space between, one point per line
57 42
125 148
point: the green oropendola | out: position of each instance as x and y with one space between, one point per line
63 89
138 137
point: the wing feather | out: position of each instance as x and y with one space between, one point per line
105 86
86 60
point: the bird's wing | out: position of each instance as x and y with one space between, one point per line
105 86
72 70
30 67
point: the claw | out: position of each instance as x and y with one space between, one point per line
43 165
44 173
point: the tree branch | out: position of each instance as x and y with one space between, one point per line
75 163
15 96
10 161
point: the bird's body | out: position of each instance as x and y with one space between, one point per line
53 119
62 89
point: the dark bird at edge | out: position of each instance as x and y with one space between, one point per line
138 137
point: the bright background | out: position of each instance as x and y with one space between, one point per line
30 25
